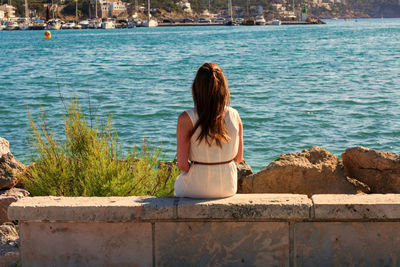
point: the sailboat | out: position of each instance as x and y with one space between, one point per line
24 25
230 22
248 20
149 22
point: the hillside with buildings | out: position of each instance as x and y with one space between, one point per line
198 8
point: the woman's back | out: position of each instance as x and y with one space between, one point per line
202 152
213 172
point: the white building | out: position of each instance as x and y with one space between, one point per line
110 8
1 14
185 5
9 11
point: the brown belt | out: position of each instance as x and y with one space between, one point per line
211 163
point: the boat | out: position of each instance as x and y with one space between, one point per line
84 24
54 24
12 26
69 25
95 24
150 22
2 26
230 21
38 25
276 22
248 21
108 24
24 24
260 20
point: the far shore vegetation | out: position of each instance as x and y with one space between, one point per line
89 161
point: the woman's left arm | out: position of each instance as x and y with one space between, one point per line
183 130
239 155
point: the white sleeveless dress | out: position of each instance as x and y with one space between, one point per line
211 181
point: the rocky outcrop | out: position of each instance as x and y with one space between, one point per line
313 171
315 21
379 170
9 170
9 239
6 198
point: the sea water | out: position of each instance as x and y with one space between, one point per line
335 85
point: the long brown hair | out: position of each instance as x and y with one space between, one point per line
210 96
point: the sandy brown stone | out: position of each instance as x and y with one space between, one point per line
9 239
6 198
222 244
243 170
4 147
9 170
313 171
379 170
347 244
86 244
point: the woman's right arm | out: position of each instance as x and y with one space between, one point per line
183 130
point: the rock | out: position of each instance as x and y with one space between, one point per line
9 238
4 147
313 171
6 198
315 21
9 169
243 170
379 170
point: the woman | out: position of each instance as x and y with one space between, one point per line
209 139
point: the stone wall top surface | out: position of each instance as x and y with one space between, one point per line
374 206
257 206
240 206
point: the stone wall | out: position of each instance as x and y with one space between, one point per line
244 230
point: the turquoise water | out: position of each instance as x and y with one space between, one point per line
334 85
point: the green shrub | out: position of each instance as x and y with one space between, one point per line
89 162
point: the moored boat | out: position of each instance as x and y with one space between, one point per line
95 24
276 22
108 24
54 24
12 26
260 20
69 25
38 25
84 24
150 22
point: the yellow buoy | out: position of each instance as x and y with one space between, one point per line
47 35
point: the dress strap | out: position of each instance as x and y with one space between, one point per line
192 115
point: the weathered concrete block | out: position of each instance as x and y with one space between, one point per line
92 208
375 206
347 244
222 244
259 206
86 244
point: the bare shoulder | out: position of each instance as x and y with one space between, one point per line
184 120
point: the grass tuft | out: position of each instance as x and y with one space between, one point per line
89 161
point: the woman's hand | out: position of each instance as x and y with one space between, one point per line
183 130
